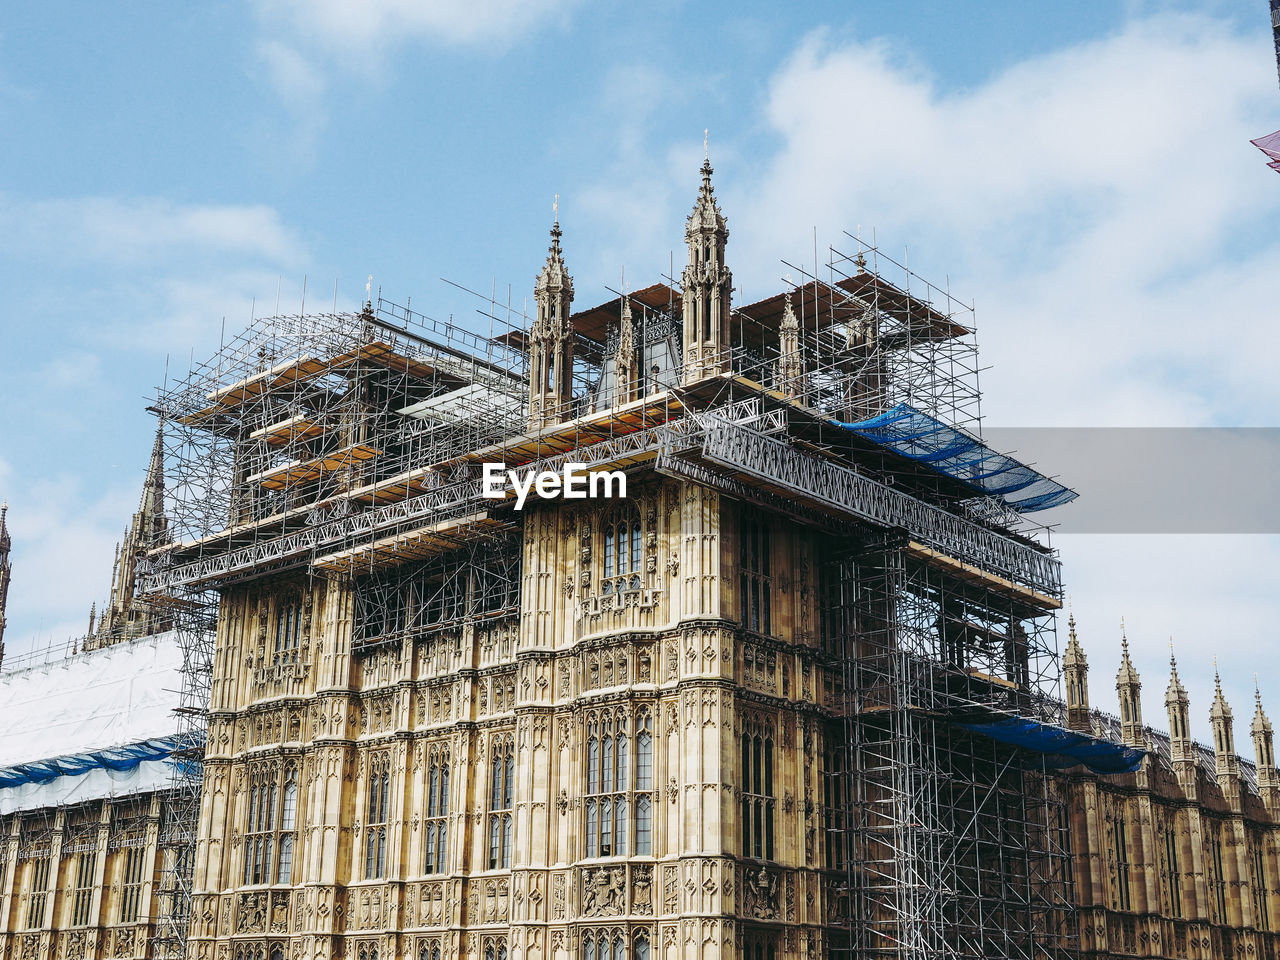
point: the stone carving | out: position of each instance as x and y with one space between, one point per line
671 890
251 913
603 892
642 890
760 894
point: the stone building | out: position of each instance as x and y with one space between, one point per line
86 770
1178 858
797 694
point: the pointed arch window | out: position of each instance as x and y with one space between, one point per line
377 809
502 775
272 824
758 799
755 572
288 627
623 552
619 794
436 853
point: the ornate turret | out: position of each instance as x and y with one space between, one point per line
626 363
790 359
1264 752
551 340
1129 692
1075 671
125 615
1178 704
707 286
5 570
1224 742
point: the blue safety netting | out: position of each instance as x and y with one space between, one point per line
119 759
1067 747
952 452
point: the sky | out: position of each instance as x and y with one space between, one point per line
1080 172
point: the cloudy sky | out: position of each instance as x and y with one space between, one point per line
1081 172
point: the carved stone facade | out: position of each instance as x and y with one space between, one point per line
1182 858
618 816
82 881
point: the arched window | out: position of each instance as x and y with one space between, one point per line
375 844
435 857
502 776
288 825
756 576
640 949
623 552
757 791
288 627
277 952
260 833
616 788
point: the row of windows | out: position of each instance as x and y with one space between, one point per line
619 803
617 792
271 826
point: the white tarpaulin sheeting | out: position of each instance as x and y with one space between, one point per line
121 696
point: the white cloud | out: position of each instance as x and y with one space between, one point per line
145 229
1103 206
356 29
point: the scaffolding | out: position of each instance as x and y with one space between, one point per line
352 445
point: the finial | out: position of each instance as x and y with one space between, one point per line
1257 694
1124 639
706 144
1217 680
555 210
1173 661
368 292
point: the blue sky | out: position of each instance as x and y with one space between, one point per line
1081 172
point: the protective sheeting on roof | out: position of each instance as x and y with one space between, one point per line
1270 145
95 724
146 776
952 452
1065 747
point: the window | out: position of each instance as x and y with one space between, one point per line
502 775
429 953
82 899
1173 876
1261 910
375 831
271 826
496 951
1217 882
133 858
288 628
288 826
616 790
37 891
623 553
756 578
1120 840
757 791
605 945
834 787
436 854
759 947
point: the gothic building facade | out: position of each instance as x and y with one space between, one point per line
1179 858
789 698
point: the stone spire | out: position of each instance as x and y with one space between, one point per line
1129 692
1178 704
1264 751
125 615
1224 743
707 286
551 339
1075 671
626 365
6 570
790 359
